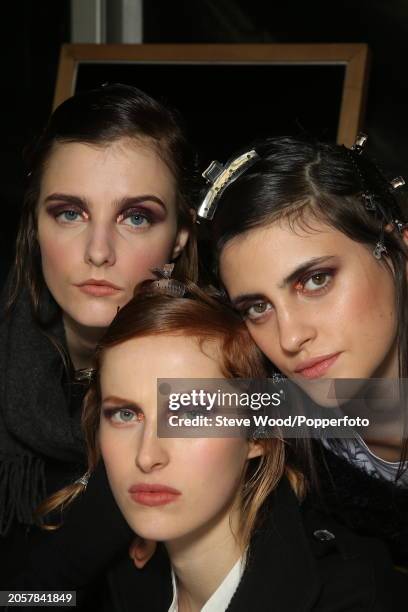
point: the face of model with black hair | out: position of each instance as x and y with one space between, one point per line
106 216
316 302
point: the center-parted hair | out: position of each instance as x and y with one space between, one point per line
100 117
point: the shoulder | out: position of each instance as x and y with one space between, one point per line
302 559
370 506
356 572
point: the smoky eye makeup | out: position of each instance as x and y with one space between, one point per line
148 206
134 214
315 282
55 210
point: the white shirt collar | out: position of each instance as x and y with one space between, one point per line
220 599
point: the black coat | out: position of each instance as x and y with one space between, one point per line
299 560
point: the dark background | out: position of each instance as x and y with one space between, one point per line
33 31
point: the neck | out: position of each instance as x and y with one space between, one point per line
201 561
81 342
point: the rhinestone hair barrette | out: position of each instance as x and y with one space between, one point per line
372 201
85 375
166 284
219 177
383 203
84 479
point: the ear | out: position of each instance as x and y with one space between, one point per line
255 449
181 240
141 551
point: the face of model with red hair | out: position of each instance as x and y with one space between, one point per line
170 489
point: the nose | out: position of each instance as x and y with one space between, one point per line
296 328
100 248
152 454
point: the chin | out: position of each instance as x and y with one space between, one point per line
154 531
97 318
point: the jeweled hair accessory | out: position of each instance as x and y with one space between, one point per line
84 479
219 177
86 375
388 208
166 284
381 201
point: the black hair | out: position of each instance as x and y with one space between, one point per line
296 178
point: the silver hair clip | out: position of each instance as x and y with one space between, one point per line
170 286
260 432
166 284
385 205
397 182
220 177
85 375
84 479
359 143
379 249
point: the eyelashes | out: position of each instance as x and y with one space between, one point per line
314 283
59 211
134 217
123 415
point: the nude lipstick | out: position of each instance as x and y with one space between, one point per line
316 367
98 288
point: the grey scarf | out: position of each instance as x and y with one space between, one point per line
38 417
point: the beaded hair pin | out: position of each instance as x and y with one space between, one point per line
373 202
166 284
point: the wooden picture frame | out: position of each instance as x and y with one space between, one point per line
353 57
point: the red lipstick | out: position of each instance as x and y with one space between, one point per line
316 367
153 494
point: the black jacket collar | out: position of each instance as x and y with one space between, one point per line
280 554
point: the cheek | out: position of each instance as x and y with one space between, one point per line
216 465
369 309
138 259
115 454
53 252
266 338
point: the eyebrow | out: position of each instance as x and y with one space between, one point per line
294 275
302 268
114 401
124 202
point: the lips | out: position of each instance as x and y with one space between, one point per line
316 367
98 288
153 494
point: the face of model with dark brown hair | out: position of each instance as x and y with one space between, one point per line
106 216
